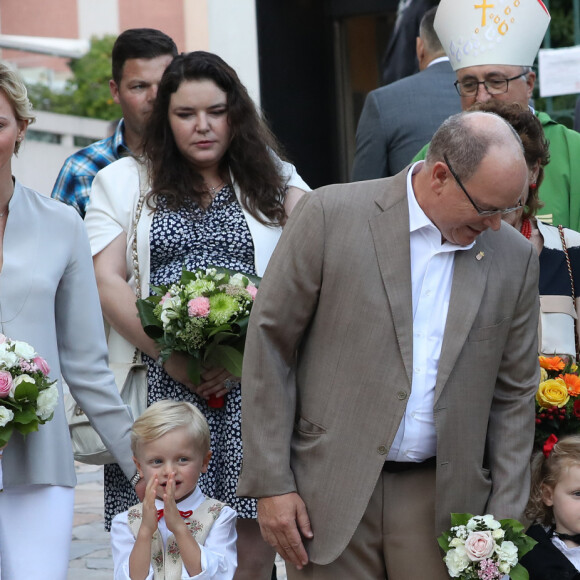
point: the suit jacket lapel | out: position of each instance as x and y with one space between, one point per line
470 274
390 231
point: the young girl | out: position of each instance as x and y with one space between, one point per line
554 507
176 533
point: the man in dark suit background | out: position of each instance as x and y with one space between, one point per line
397 120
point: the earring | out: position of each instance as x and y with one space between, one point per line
533 186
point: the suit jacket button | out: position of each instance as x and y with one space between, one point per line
382 450
401 395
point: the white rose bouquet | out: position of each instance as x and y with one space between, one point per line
483 548
27 395
205 315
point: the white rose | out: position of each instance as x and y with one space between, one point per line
472 523
491 522
24 378
507 552
46 402
456 542
237 280
504 568
23 350
457 561
6 415
7 357
171 307
498 534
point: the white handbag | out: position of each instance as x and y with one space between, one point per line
131 381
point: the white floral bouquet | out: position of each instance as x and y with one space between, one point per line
27 395
205 315
483 548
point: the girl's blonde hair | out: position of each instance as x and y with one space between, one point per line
165 416
548 472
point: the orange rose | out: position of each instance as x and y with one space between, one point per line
554 363
573 384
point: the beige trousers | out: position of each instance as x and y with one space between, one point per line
396 539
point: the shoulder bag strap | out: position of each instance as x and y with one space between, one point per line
564 247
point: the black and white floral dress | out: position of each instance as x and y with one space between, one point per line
196 238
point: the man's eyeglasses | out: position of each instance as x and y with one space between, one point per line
480 212
470 87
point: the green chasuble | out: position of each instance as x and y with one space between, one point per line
560 190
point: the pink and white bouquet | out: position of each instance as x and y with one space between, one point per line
483 548
27 395
205 315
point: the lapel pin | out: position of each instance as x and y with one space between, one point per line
480 256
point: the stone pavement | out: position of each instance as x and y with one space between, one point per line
90 557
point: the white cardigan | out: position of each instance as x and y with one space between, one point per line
111 211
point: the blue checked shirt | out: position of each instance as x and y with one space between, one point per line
73 184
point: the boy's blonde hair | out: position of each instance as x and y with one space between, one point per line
165 416
548 472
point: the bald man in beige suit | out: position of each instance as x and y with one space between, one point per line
391 363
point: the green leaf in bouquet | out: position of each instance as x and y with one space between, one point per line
26 391
460 519
217 329
516 526
157 294
242 326
443 541
5 433
187 277
221 355
151 324
26 416
221 337
518 572
194 369
26 428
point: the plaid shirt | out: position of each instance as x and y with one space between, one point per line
73 184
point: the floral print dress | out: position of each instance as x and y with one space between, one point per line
196 238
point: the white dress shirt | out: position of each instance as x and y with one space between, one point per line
218 554
431 279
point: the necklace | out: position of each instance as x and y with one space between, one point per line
526 229
212 190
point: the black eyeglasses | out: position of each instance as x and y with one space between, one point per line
470 87
480 212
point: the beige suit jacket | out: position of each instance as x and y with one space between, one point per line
328 364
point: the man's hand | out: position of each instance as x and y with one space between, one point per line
282 519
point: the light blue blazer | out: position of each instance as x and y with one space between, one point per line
49 298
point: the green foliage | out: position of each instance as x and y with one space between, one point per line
87 92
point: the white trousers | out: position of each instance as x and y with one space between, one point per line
35 532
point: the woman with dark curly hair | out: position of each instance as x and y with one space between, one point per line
559 262
215 193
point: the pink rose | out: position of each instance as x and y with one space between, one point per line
479 545
5 384
164 298
252 291
42 365
198 307
3 339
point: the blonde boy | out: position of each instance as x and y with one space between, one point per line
176 533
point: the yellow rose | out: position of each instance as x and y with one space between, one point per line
543 375
552 393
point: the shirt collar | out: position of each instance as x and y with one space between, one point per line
119 144
438 60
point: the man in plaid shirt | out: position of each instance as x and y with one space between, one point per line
140 56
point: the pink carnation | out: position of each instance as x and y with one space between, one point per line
252 291
5 384
42 365
198 307
164 298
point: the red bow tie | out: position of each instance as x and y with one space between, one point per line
183 514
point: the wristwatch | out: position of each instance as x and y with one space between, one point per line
135 479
